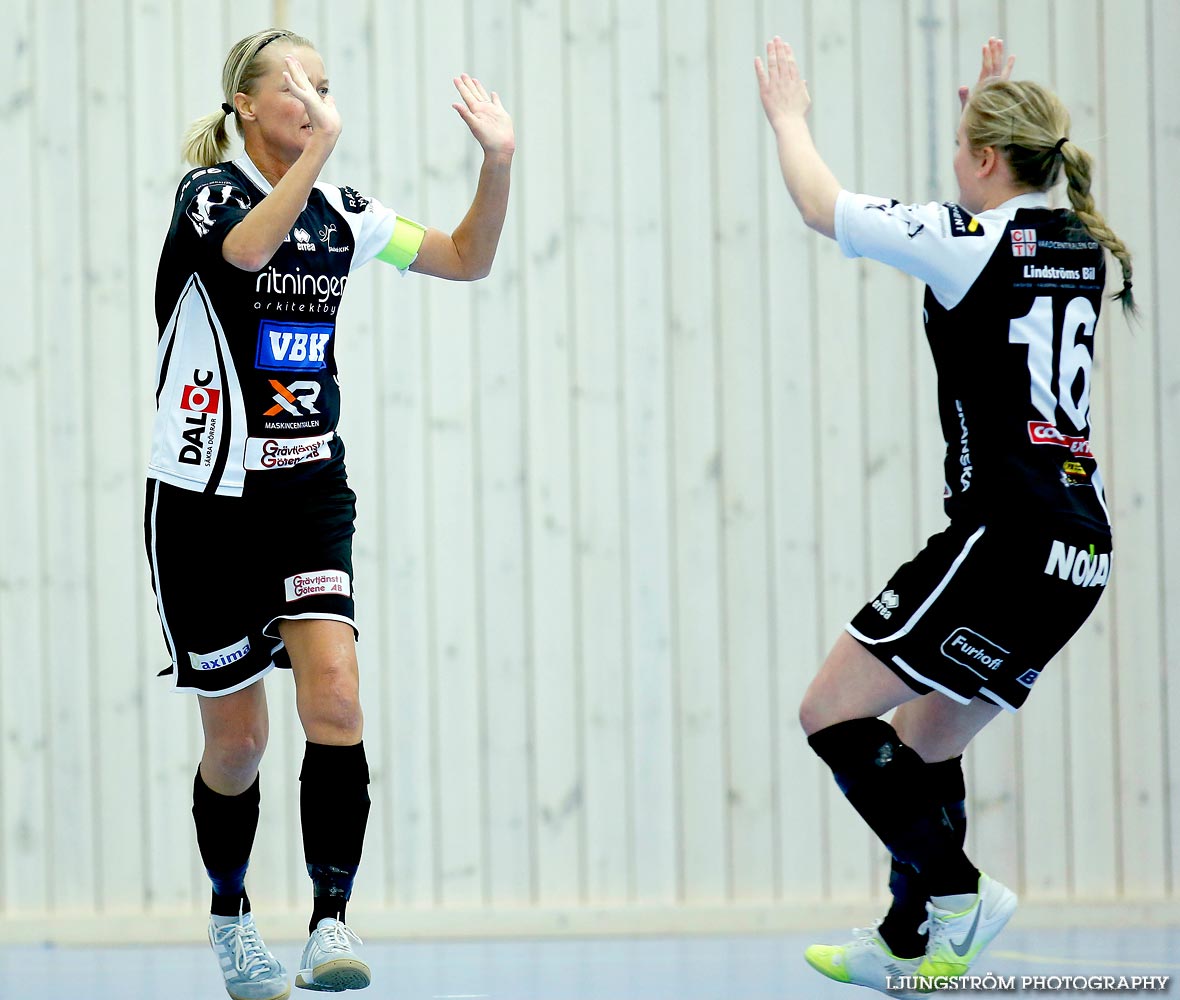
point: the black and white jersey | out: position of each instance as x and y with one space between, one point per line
1012 300
246 390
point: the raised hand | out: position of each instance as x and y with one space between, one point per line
782 89
321 111
992 65
485 116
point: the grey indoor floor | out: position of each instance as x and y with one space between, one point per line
767 967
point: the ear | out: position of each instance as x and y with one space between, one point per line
989 162
244 104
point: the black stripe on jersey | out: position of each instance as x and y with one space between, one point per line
171 342
227 426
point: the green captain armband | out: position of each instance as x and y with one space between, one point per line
403 245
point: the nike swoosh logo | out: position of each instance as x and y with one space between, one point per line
966 944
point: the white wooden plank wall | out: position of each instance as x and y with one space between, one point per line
615 501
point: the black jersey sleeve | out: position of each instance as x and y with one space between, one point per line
209 203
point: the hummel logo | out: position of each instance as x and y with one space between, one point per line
965 946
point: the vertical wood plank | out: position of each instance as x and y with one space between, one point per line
24 600
643 278
1091 693
353 64
692 373
452 157
1132 458
799 639
69 400
890 309
741 333
499 355
187 81
407 810
594 299
1164 81
543 206
834 77
115 524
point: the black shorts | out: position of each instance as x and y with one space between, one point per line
981 609
226 569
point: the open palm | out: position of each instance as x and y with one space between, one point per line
485 116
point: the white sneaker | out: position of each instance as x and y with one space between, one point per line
329 962
956 939
865 961
251 972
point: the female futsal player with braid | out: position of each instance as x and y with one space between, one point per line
249 514
964 629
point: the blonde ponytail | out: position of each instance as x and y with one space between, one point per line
207 139
1078 166
1031 125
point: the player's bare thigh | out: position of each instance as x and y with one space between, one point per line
937 728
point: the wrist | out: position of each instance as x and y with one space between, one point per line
499 157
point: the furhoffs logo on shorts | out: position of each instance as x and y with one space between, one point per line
321 581
970 649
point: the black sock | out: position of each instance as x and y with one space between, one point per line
226 825
334 807
899 929
889 785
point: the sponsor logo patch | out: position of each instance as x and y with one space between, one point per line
353 200
326 234
200 399
961 223
886 604
970 649
293 346
303 239
1029 678
1041 432
1024 242
322 581
298 398
1079 567
265 454
220 657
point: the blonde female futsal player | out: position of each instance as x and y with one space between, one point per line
963 630
249 514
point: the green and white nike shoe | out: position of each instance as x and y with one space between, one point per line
865 961
956 939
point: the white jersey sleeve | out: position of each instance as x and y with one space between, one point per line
370 222
942 245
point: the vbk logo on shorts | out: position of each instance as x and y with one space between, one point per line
220 657
321 581
1029 678
293 346
200 399
970 649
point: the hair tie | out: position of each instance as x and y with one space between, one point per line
1126 284
1060 142
227 108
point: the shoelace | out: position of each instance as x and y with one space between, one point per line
337 937
250 955
935 927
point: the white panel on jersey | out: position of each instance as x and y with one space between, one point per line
193 398
371 227
941 245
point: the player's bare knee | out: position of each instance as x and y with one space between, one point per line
331 710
